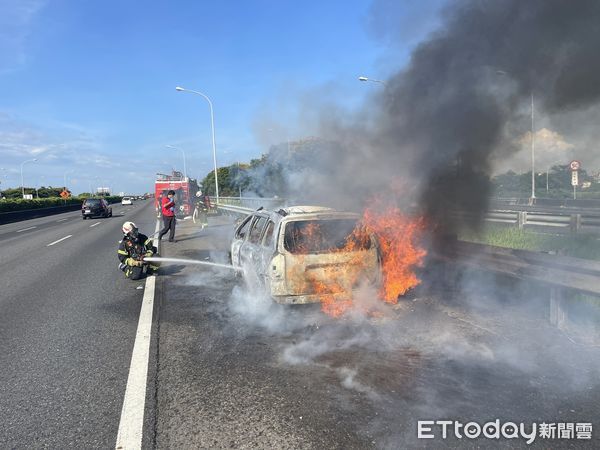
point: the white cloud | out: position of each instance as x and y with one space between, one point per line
65 147
551 148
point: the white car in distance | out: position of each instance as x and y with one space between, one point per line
126 201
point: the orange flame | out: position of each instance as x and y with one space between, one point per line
397 235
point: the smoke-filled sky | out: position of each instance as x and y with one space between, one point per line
459 110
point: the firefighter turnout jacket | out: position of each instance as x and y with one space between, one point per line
131 251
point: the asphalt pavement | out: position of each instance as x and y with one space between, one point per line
67 326
230 369
237 371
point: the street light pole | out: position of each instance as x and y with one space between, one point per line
532 153
65 179
184 165
212 127
239 180
504 73
2 169
65 182
22 182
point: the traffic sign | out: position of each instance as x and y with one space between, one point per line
574 178
575 165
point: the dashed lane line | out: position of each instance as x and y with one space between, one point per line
93 225
60 240
25 229
131 425
62 220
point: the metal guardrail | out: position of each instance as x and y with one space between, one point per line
547 202
558 272
252 202
561 271
561 221
232 210
564 221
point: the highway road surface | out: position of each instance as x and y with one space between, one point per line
67 327
229 369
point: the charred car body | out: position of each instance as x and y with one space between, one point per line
299 254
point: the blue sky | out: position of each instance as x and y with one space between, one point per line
88 87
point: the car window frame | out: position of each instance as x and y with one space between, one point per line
257 219
264 237
246 221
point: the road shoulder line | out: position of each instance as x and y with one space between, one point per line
132 414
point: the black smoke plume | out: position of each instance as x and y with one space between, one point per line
431 136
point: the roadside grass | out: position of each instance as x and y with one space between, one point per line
576 245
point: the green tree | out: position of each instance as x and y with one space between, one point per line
511 184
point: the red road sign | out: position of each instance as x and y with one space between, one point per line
575 165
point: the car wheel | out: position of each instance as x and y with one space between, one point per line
110 214
83 217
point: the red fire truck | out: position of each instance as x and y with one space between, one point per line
185 191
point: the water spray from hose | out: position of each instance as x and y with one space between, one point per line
160 259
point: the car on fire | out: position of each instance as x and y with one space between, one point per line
301 254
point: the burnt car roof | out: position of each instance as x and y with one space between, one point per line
304 212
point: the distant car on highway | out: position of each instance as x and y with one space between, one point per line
95 207
126 201
300 254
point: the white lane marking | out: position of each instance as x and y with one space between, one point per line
62 220
60 240
93 225
25 229
131 425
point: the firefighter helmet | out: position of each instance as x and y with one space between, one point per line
129 227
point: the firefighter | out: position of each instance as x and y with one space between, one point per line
134 247
201 210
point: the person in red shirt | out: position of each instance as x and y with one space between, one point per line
168 213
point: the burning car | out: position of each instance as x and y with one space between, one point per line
303 254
